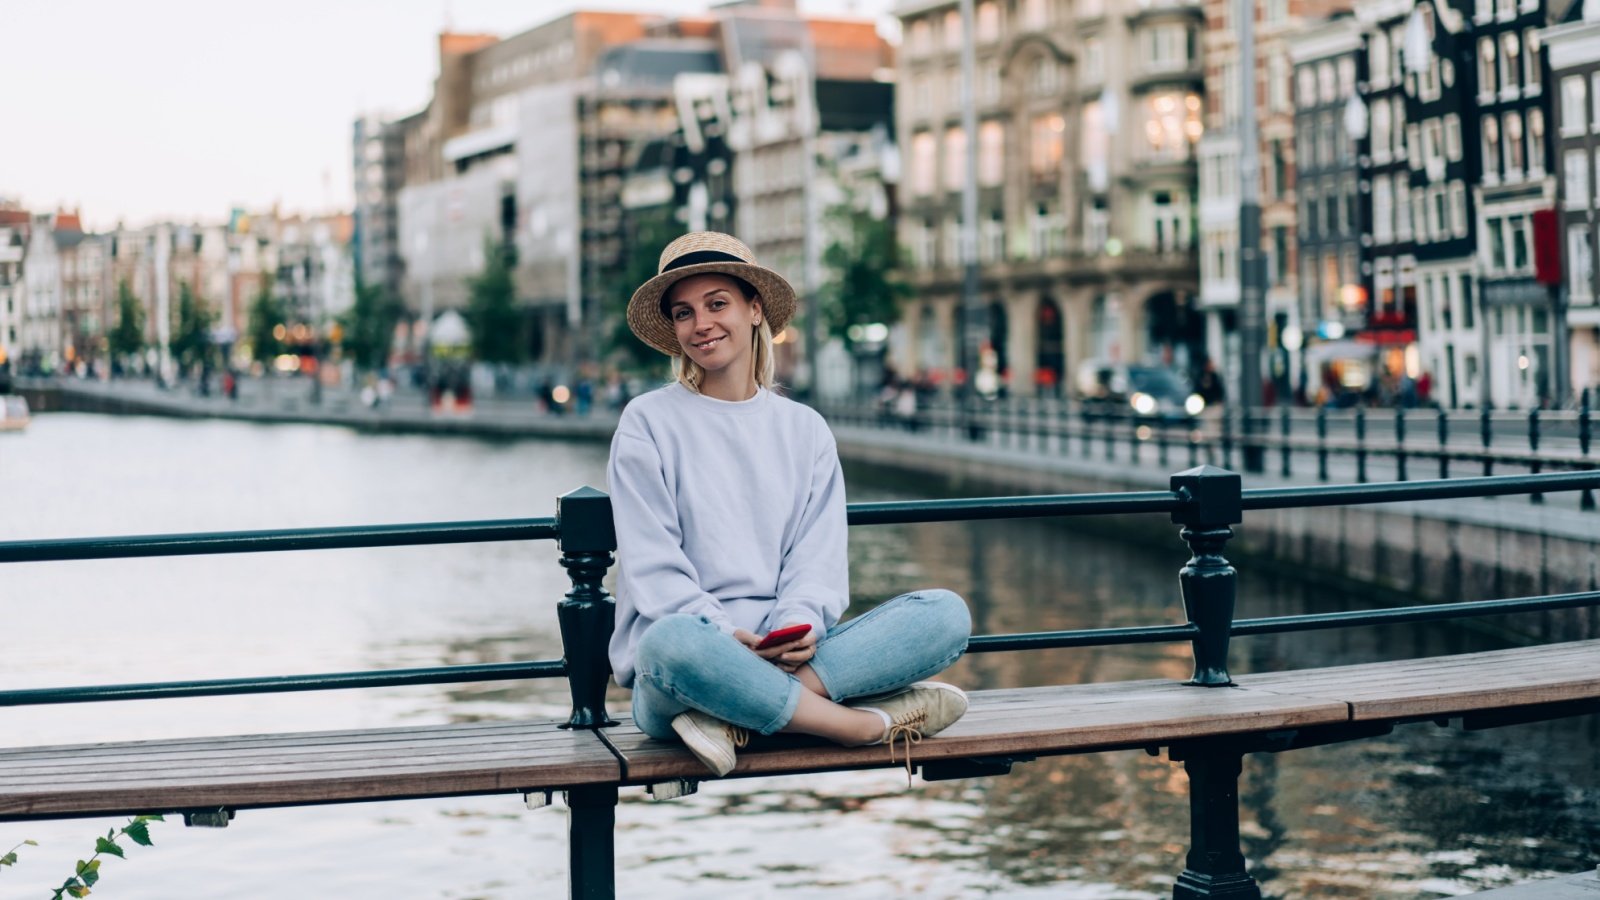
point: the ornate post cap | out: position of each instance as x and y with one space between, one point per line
1214 496
583 518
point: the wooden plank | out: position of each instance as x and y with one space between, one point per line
1444 685
1068 719
550 757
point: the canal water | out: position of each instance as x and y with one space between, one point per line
1425 812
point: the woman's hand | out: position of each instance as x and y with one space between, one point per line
788 657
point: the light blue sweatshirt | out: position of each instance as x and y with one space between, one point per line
729 510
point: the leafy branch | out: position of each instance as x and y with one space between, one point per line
10 859
88 870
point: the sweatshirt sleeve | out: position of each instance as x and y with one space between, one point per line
655 576
814 581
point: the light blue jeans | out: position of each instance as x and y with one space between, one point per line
685 662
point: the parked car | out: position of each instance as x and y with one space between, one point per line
1145 392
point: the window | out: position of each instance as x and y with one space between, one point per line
1035 14
1326 139
1382 210
1506 9
1093 151
987 26
1279 171
1399 104
1042 77
1342 209
991 238
1532 83
1575 169
1166 48
1518 226
1467 312
1433 145
989 91
1516 154
991 153
1458 209
1594 101
1438 218
1510 69
955 159
952 30
924 149
1580 262
1380 132
1278 83
1171 125
1536 141
1378 60
1402 210
1048 134
1491 147
1452 137
1094 62
1327 82
1347 76
1573 116
1330 202
1280 255
1485 68
1308 87
1482 10
1419 213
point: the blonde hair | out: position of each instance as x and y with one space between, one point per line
763 359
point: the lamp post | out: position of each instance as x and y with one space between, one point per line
1252 273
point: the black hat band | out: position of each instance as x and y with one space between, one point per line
701 256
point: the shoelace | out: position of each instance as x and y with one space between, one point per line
739 736
906 727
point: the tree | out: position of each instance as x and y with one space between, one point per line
497 325
863 286
369 326
651 232
191 340
267 322
127 339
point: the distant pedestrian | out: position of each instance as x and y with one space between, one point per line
730 511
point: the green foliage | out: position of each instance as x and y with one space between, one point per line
127 338
497 324
10 859
652 231
863 286
86 874
369 326
191 339
266 314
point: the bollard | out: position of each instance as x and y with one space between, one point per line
1214 867
1400 442
1586 499
1486 435
1361 445
1212 502
1535 465
1444 438
1322 443
1283 430
583 517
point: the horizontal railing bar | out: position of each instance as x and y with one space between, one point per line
342 537
1469 609
899 512
219 687
1400 491
1097 637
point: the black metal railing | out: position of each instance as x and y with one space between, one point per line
1205 501
1289 440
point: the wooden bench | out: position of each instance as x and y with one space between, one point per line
527 757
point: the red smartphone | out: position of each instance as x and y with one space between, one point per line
783 636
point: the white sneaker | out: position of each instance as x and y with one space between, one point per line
912 713
712 741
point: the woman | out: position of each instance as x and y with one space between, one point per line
730 517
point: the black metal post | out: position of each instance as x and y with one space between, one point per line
1533 448
1212 503
1586 499
1214 866
587 539
1283 431
1322 443
1444 438
591 842
1361 445
1486 435
1400 442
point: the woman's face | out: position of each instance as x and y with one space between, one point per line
714 322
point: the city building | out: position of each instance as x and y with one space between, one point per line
378 161
1574 88
1331 125
14 225
40 347
1086 243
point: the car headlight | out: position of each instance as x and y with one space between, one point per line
1143 404
1195 405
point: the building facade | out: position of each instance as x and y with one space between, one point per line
1574 86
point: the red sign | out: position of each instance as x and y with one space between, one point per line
1546 246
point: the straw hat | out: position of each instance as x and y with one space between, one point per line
697 253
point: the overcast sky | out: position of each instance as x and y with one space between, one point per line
137 111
